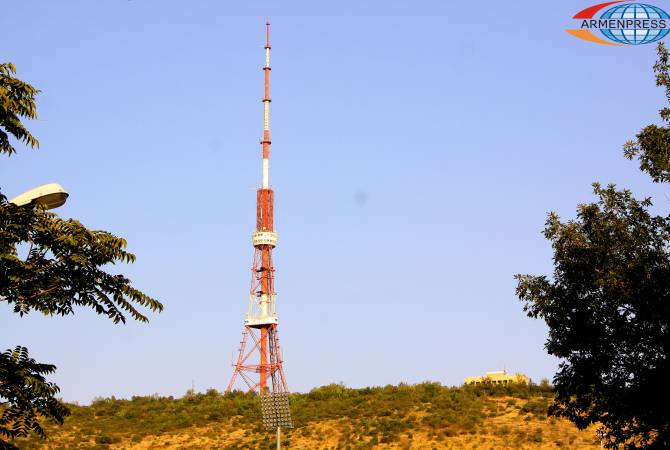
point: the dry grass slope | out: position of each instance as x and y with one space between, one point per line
424 416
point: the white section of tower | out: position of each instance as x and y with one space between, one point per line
266 173
261 311
264 305
266 116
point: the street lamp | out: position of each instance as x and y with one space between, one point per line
50 195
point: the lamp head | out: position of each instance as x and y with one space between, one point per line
50 195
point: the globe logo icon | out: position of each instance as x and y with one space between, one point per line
635 36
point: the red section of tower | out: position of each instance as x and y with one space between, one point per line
259 355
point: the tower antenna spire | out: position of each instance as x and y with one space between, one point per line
265 184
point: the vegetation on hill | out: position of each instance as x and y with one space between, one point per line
426 415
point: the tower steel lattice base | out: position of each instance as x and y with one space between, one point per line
273 370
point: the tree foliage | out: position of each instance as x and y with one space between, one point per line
608 311
63 266
17 99
51 266
28 395
652 146
607 305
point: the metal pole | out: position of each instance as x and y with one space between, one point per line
278 438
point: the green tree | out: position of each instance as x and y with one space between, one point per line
51 266
607 305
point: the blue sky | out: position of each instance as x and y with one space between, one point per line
417 149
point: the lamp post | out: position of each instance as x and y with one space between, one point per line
50 195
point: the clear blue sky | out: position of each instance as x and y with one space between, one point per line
417 148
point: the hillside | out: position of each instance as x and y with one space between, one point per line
423 416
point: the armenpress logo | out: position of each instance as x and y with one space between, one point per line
624 23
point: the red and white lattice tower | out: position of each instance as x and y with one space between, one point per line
259 356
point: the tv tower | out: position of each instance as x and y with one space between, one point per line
260 324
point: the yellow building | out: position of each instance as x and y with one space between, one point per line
498 377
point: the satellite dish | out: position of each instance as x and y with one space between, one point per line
50 195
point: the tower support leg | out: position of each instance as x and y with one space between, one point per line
264 361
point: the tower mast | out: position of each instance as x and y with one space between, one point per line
266 112
261 320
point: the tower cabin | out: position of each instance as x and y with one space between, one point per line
498 377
